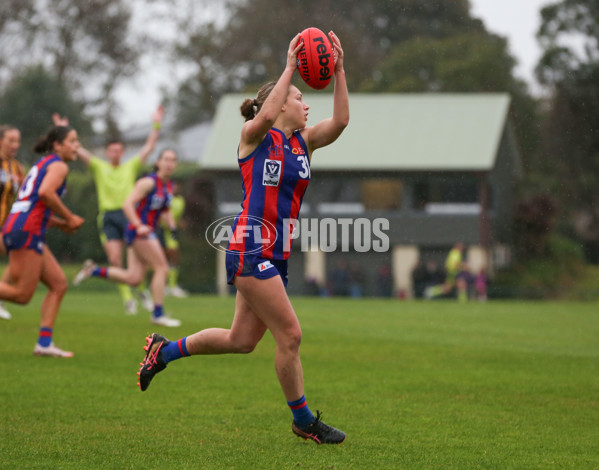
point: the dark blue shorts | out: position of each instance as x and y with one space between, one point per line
19 239
114 224
254 265
131 236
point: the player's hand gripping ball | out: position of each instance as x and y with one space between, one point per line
316 60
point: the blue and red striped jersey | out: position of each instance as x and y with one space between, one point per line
156 201
28 212
274 179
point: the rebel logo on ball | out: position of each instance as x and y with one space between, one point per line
316 59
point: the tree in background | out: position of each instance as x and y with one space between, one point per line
244 46
28 102
85 44
13 14
474 62
569 68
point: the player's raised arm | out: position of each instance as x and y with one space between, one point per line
256 127
328 130
150 144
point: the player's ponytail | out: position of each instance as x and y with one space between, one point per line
45 144
250 107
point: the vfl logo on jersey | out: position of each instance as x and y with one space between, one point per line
272 173
265 265
156 202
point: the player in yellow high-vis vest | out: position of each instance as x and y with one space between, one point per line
170 242
114 182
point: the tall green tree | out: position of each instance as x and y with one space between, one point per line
28 102
461 63
87 44
246 44
474 62
569 68
13 14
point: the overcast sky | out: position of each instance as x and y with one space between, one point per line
518 20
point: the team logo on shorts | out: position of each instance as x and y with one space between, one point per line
265 265
272 173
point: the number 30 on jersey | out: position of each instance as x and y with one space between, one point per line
305 173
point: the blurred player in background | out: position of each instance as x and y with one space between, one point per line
170 242
11 177
143 207
274 132
114 182
37 207
453 266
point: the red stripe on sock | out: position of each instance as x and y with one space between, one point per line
297 407
180 348
46 334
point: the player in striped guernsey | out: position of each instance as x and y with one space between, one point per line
147 203
11 171
114 180
39 206
11 177
274 158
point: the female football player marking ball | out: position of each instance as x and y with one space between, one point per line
274 157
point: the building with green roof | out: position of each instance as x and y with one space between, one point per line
440 168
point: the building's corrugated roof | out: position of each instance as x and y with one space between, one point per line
388 132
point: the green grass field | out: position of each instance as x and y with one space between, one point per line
414 385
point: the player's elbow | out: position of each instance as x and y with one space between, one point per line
343 122
346 122
45 195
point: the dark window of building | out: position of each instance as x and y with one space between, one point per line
382 193
445 190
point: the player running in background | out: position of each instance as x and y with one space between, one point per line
170 242
143 207
453 266
114 181
274 159
37 207
11 177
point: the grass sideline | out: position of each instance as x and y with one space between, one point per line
414 385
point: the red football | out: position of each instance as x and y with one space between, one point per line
316 60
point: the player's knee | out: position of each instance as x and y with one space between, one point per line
23 297
57 284
161 268
243 344
115 261
292 339
246 347
135 279
60 286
